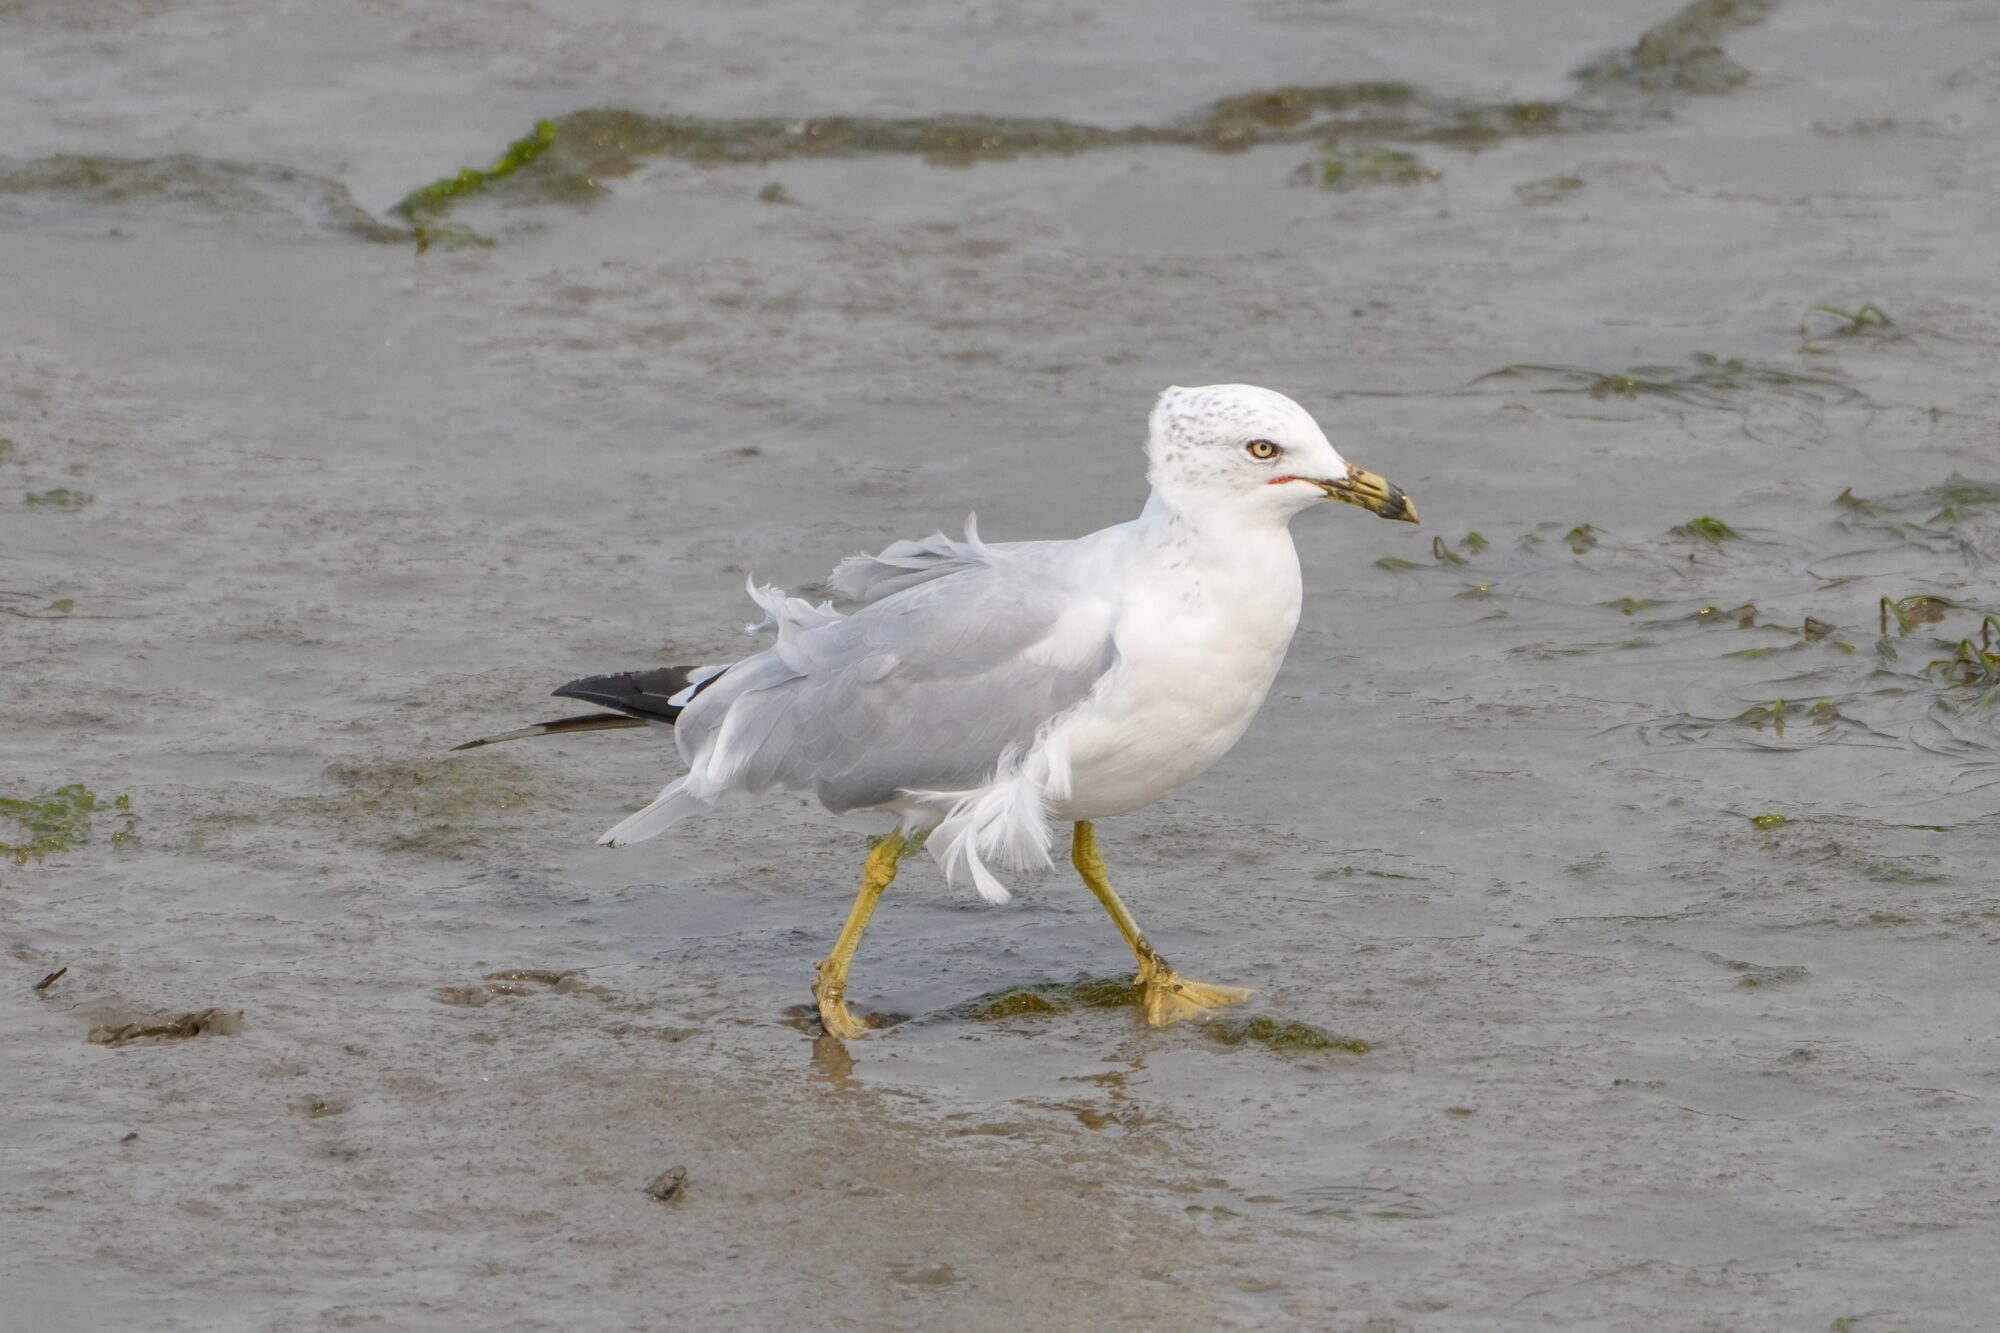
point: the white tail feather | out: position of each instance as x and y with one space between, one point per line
672 805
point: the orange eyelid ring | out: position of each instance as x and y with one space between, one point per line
1364 489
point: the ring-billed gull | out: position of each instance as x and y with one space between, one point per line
979 692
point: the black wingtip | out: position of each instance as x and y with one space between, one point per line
639 694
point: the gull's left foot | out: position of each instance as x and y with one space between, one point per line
1169 997
833 1011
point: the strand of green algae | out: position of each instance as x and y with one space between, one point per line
567 159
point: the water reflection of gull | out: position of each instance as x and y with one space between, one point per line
979 692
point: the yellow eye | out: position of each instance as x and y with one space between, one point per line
1263 450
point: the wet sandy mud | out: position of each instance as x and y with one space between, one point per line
1614 858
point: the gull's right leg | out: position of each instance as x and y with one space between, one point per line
1169 997
830 989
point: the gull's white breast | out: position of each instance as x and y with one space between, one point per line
1200 637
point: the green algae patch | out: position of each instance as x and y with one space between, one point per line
1396 563
1751 976
1249 117
586 148
1866 321
1770 821
1975 667
1706 381
1953 501
1287 1036
1341 169
55 821
213 187
431 199
62 498
1743 617
568 159
1048 998
125 1029
104 179
1711 530
1628 605
1681 55
433 807
1777 712
1548 190
1918 609
1581 538
571 162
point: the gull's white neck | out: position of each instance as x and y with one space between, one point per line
1223 528
1225 561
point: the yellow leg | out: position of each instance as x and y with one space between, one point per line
831 987
1168 996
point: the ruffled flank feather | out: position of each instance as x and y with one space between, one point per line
1006 820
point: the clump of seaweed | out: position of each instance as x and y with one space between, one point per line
214 186
55 821
429 200
1957 513
61 499
1340 169
1548 190
1629 605
1707 381
1823 713
1250 118
1971 677
1681 55
1917 609
436 807
568 159
1048 997
1869 322
1751 976
1706 529
168 1027
1287 1036
1442 553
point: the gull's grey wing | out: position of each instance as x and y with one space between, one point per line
903 565
921 690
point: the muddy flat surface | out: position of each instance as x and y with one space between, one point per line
1615 857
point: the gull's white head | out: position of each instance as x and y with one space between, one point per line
1241 447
